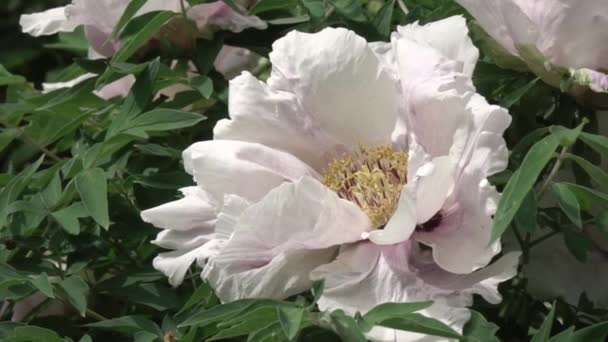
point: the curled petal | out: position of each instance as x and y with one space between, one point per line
46 23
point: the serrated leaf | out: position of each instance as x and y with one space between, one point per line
76 292
387 311
92 188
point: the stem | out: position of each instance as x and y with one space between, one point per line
95 315
556 167
403 7
541 239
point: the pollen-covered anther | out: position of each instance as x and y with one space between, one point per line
372 178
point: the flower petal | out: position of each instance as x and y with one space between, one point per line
247 169
448 36
195 210
231 61
279 240
175 264
327 92
435 184
401 226
49 87
46 23
218 14
363 277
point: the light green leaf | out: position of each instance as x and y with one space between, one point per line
127 14
92 187
522 182
420 324
290 319
597 142
159 120
569 203
203 84
387 311
599 176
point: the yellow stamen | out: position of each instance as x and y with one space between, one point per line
372 178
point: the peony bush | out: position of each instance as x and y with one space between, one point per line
296 170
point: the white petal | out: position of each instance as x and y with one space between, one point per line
218 14
195 210
363 277
327 93
339 82
46 23
448 36
247 169
435 184
595 80
49 87
279 240
484 281
175 264
401 226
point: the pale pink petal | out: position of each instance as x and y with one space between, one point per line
231 61
46 23
218 14
403 222
435 183
449 37
49 87
364 276
120 87
249 170
279 240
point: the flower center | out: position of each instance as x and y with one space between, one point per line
370 177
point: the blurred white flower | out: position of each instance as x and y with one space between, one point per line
99 17
562 41
377 153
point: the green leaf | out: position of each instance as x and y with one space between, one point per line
599 176
202 295
544 332
569 203
316 8
68 217
7 136
346 327
246 323
41 282
127 325
382 21
525 219
76 292
203 84
144 29
597 142
6 78
420 324
349 9
159 120
290 320
387 311
233 5
270 5
596 332
15 187
587 198
317 290
128 14
35 334
218 313
269 333
522 182
577 243
515 96
478 329
92 187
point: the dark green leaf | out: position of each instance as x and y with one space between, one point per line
92 187
76 291
159 120
262 6
420 324
387 311
144 29
599 176
478 329
68 217
569 203
597 142
290 320
382 21
127 14
346 327
41 282
544 332
127 324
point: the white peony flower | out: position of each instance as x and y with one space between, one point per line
99 17
363 164
557 39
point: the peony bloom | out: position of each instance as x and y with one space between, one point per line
100 17
562 41
362 164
